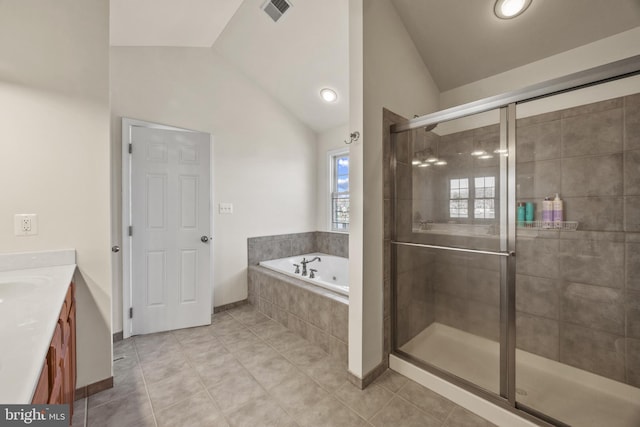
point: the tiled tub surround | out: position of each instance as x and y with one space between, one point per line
578 293
265 248
316 314
247 370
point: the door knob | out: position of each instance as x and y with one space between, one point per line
204 239
115 249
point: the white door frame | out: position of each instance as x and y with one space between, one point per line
127 125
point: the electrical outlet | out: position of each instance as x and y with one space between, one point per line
225 208
25 224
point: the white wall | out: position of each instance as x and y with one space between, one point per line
264 158
329 140
393 77
54 128
601 52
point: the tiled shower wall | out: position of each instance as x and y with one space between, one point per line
265 248
578 293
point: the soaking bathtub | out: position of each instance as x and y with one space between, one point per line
332 271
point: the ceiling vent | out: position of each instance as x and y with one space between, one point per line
276 8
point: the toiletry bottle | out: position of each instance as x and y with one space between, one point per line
521 214
529 209
557 212
547 213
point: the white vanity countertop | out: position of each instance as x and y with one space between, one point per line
30 304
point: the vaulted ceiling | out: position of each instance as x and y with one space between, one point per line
460 41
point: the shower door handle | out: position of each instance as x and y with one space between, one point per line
454 249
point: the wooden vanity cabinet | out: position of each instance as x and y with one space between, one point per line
57 383
41 395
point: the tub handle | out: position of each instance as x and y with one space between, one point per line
312 275
297 266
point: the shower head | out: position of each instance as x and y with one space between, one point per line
428 127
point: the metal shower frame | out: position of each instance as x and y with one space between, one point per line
506 103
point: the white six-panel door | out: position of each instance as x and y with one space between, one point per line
170 247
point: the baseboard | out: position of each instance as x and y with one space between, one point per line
94 388
229 306
370 377
117 336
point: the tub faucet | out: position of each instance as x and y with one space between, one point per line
312 274
304 263
297 266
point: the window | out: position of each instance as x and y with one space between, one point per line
482 197
459 198
485 193
339 191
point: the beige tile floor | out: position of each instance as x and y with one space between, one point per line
248 370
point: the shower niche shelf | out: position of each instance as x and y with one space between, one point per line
548 226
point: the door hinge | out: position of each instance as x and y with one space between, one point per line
130 148
131 230
130 312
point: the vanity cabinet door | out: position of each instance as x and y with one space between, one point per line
57 383
41 395
55 368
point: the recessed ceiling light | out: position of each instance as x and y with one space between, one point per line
416 162
486 156
478 153
507 9
329 95
441 163
424 165
431 159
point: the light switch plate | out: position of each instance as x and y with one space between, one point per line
25 224
225 208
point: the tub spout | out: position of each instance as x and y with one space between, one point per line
304 263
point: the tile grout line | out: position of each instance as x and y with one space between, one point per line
146 388
448 416
393 395
239 362
268 393
298 369
331 394
406 384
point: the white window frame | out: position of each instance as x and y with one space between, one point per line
459 199
471 198
331 155
485 198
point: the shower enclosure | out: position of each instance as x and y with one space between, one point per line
540 317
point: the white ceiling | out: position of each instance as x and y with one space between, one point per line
292 59
193 23
460 41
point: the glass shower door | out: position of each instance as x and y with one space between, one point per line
449 247
577 292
